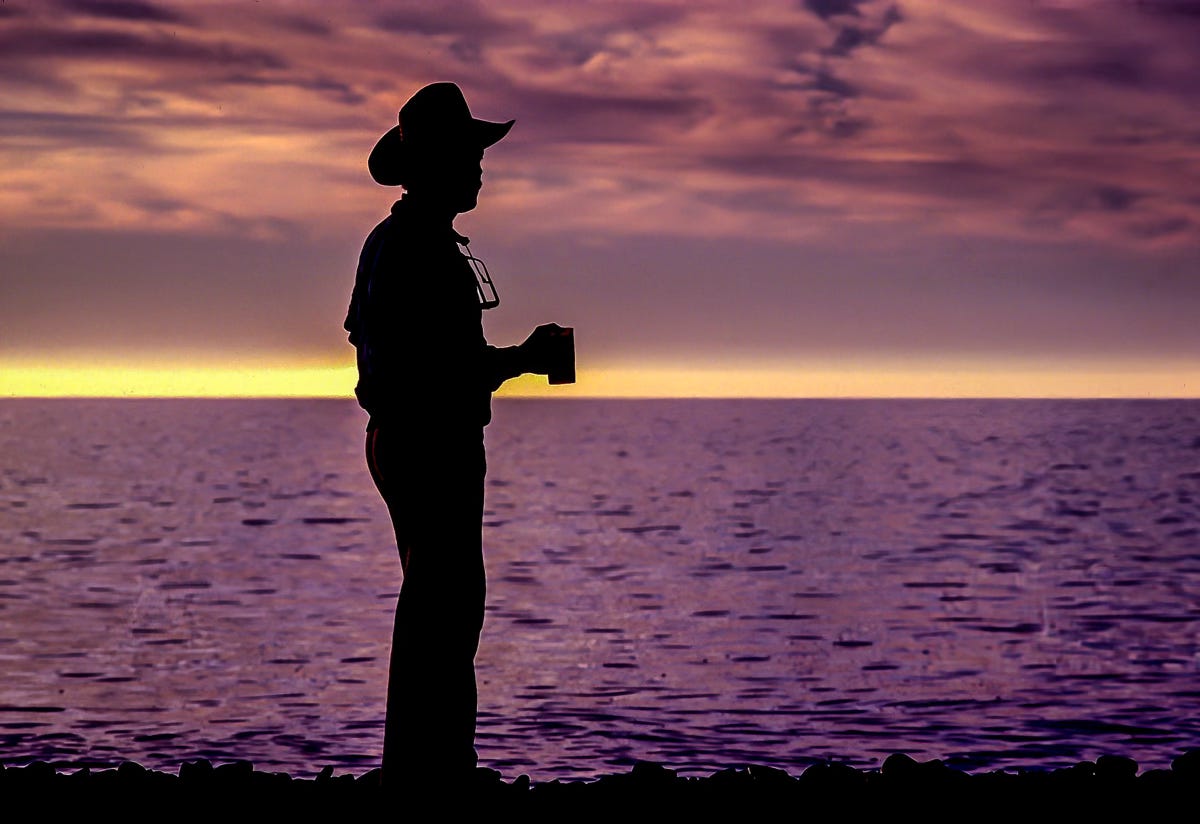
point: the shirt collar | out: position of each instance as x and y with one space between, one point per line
404 207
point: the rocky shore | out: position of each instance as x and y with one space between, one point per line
1110 786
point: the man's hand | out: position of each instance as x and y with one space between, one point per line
537 352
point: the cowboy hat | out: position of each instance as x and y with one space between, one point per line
434 117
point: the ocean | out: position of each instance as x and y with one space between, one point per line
704 583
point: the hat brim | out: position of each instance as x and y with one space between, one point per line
487 132
388 159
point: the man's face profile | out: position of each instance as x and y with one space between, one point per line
451 176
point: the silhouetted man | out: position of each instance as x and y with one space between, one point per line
426 375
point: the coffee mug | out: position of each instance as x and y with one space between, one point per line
562 369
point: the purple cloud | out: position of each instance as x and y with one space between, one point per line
844 136
826 9
128 10
31 42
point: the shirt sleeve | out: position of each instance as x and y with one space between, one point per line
499 364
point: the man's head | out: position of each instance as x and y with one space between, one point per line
448 177
436 148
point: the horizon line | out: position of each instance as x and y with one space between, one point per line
573 398
830 379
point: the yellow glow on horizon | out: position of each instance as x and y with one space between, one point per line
879 380
131 381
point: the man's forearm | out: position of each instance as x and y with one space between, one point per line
502 363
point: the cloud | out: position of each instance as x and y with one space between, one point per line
1159 229
1187 9
42 129
1115 198
306 25
824 176
826 81
998 117
41 42
852 37
826 9
455 17
344 93
129 10
628 118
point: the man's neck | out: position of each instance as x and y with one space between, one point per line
429 210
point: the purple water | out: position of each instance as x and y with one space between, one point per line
703 583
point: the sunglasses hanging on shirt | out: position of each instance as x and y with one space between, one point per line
488 298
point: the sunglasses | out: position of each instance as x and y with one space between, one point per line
488 297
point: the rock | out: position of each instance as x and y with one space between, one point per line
548 787
650 772
1116 768
1075 779
160 779
104 778
730 777
131 771
37 773
770 776
901 772
558 792
1110 787
269 782
898 765
1158 780
1187 765
832 775
196 772
1082 769
235 773
485 775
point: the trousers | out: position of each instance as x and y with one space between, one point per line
433 488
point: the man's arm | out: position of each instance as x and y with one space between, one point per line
534 355
501 363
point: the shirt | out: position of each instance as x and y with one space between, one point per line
417 325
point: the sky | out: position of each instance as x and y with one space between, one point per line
802 198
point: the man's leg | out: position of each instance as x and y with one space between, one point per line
437 511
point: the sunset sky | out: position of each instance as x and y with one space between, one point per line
803 198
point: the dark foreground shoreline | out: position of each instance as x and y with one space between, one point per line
1110 785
